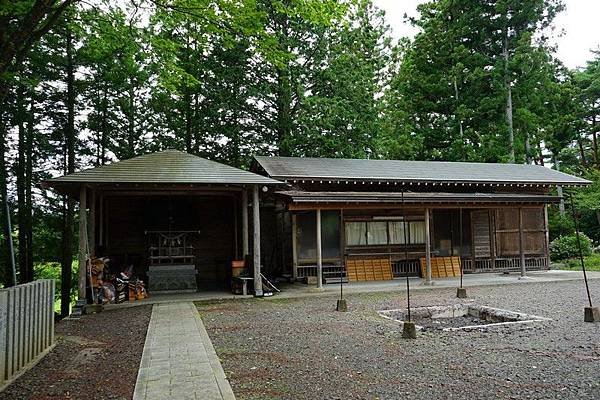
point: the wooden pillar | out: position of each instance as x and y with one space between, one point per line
294 247
236 247
427 248
492 231
245 250
258 291
82 242
92 225
101 220
547 236
319 252
521 244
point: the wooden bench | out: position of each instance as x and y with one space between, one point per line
441 267
377 269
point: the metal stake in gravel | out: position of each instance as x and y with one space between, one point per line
341 303
409 330
591 313
461 292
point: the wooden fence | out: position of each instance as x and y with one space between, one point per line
26 326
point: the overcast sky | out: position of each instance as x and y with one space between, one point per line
579 22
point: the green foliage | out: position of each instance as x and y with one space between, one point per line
565 247
592 263
559 225
51 270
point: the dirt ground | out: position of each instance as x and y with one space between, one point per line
96 357
303 349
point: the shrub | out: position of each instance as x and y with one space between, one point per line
565 247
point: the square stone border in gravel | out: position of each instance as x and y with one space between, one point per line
495 316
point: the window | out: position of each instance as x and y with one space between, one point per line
397 232
377 233
417 232
356 233
374 233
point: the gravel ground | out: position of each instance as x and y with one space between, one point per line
96 357
302 349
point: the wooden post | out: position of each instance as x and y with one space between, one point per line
521 245
492 232
101 220
319 252
245 251
92 227
294 248
236 247
427 248
547 236
82 242
258 291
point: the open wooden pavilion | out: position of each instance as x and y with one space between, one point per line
171 216
377 219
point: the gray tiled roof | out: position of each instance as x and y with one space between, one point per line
170 166
297 168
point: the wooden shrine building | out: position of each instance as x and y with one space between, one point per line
178 221
172 218
378 219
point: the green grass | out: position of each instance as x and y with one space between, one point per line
592 263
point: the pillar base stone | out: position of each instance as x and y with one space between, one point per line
341 305
461 293
428 283
409 330
591 314
526 278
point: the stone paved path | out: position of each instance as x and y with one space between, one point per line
179 361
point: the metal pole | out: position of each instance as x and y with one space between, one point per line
576 221
406 257
460 221
11 248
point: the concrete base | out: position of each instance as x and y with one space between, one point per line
409 330
591 314
93 308
526 278
172 277
461 293
310 280
341 305
78 309
428 283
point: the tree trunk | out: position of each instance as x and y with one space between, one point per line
595 141
29 145
104 124
188 121
284 112
24 274
509 105
559 190
8 275
581 151
131 122
68 206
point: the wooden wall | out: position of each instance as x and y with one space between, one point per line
127 218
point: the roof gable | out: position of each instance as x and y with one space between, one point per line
337 169
170 166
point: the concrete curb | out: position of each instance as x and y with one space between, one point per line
139 392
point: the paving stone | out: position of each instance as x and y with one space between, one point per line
179 361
